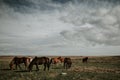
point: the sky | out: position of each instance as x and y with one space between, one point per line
60 27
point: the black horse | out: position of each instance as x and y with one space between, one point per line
67 63
84 60
39 61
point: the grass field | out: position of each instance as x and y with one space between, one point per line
97 68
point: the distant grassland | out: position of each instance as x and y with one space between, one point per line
97 68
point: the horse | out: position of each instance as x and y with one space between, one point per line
67 63
61 59
19 60
56 60
84 60
39 61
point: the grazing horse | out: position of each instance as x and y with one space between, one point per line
56 60
18 60
67 63
61 59
39 61
84 60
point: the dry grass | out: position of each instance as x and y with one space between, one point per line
97 68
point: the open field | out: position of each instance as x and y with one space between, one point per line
97 68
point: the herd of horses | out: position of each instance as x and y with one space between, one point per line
29 62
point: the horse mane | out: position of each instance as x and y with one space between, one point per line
12 63
32 62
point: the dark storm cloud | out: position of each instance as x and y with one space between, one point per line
27 5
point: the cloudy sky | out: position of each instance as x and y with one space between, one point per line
60 27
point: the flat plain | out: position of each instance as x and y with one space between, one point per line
97 68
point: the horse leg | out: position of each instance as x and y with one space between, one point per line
70 65
30 67
19 66
64 65
26 65
37 68
16 66
48 66
45 65
83 61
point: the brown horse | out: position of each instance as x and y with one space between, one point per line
84 60
18 60
39 61
56 60
61 59
67 63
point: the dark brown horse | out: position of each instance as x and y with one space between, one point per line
67 63
19 60
84 60
39 61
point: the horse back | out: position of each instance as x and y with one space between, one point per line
40 60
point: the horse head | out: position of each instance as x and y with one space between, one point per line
11 65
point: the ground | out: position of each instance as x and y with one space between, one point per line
97 68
